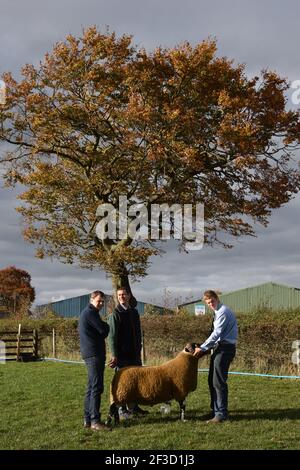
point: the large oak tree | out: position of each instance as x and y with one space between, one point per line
100 118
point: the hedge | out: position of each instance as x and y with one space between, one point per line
265 338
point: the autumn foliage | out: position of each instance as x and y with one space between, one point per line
16 292
99 118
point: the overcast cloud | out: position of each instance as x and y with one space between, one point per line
261 34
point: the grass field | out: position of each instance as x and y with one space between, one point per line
41 408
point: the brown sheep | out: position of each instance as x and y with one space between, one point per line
150 385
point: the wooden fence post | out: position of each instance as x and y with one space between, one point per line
53 343
35 343
143 349
18 342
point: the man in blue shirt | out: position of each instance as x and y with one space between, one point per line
92 333
223 342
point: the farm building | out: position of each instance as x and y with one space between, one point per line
72 307
269 295
3 308
3 312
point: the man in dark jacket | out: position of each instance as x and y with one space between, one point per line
125 337
92 333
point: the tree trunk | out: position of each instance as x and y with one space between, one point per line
122 280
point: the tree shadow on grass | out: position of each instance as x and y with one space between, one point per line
273 414
235 416
268 414
155 418
292 414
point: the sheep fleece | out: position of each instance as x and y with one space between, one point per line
156 384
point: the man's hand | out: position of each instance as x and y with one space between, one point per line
113 362
198 353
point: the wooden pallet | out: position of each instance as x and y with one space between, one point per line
21 345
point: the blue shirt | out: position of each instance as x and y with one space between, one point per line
225 328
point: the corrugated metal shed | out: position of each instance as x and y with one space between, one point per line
72 307
269 295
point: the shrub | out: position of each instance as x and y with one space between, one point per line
264 345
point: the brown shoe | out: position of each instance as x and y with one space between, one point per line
86 425
215 420
100 427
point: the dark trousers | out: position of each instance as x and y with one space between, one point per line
92 401
217 379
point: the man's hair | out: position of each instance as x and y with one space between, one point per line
210 294
96 293
124 288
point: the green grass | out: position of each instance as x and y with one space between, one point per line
41 408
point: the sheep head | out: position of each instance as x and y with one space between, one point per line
190 347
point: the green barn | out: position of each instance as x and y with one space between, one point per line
269 295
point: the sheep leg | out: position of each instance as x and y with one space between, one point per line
182 410
113 413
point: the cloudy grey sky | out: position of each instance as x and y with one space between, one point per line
261 34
